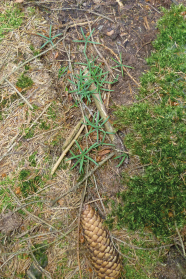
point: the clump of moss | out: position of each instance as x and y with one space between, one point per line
28 185
9 20
156 199
24 82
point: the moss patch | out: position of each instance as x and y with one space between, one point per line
156 199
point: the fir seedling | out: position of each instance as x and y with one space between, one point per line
122 156
82 86
86 41
50 38
120 64
83 157
97 126
62 72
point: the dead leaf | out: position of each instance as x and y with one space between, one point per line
19 89
18 1
104 152
56 55
18 190
110 33
61 202
101 154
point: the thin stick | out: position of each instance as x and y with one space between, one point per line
101 108
100 199
79 183
35 121
146 97
140 248
66 150
143 46
19 94
39 135
101 56
181 241
72 134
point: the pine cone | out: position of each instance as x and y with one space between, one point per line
104 257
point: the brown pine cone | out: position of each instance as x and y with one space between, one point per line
104 257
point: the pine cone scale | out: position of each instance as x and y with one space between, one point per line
103 255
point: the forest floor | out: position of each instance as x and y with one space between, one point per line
33 133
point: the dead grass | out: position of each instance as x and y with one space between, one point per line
40 223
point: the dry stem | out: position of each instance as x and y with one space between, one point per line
25 100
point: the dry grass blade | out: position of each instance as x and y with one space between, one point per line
25 100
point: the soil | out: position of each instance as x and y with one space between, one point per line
125 28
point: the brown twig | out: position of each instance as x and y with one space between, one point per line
25 100
72 134
66 150
98 52
143 46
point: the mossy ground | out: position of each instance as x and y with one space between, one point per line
157 199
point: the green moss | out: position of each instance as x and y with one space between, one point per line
24 174
35 52
156 199
51 112
24 82
28 185
29 133
9 20
32 159
44 125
